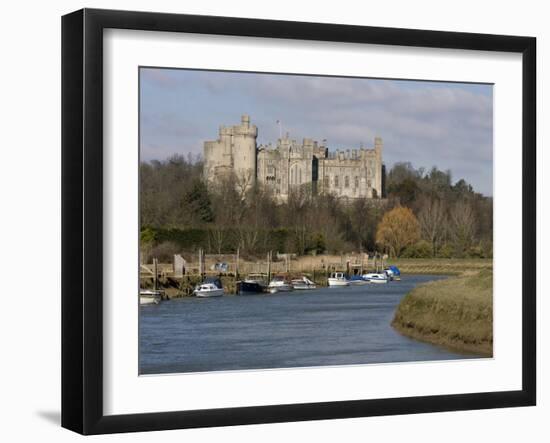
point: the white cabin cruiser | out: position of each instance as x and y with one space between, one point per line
279 284
338 279
211 287
149 297
303 283
376 277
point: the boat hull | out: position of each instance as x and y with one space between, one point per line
149 298
246 287
303 287
358 282
337 282
209 293
146 300
279 288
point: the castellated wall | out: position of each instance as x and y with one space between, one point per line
290 165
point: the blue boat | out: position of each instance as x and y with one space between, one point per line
357 280
393 272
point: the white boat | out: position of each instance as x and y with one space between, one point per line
279 284
338 279
149 297
303 283
210 287
376 278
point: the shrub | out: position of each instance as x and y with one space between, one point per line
164 252
446 251
421 249
475 252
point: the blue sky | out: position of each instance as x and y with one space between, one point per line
448 125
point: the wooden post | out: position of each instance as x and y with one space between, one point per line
287 263
361 269
269 266
237 265
155 271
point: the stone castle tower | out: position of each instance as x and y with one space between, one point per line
289 166
234 151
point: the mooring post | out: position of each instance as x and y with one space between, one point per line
269 266
155 271
237 265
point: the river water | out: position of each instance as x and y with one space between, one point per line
326 326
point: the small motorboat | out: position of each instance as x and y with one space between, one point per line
149 297
253 284
279 284
358 280
376 277
303 283
338 279
393 272
210 287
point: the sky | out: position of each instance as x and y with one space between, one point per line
448 125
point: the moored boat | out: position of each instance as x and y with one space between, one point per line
149 297
210 287
393 272
279 284
303 283
338 279
376 277
253 284
358 280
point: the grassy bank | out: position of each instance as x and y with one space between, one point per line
456 312
442 266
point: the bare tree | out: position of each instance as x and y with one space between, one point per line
463 224
432 218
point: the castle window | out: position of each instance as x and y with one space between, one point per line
356 181
369 183
346 181
336 181
295 175
326 181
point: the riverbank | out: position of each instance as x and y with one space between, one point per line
442 266
456 312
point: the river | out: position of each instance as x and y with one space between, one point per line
325 326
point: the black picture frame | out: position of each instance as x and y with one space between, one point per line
82 218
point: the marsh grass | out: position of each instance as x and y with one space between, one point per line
456 312
445 266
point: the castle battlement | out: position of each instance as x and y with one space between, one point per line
289 165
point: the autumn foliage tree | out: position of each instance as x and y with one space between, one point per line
398 229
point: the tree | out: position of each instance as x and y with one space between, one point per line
432 219
198 203
463 226
398 229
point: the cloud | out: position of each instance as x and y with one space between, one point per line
428 123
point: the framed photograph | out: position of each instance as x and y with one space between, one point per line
269 221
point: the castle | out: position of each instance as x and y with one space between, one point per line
355 173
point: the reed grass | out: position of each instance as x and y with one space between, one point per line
456 312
